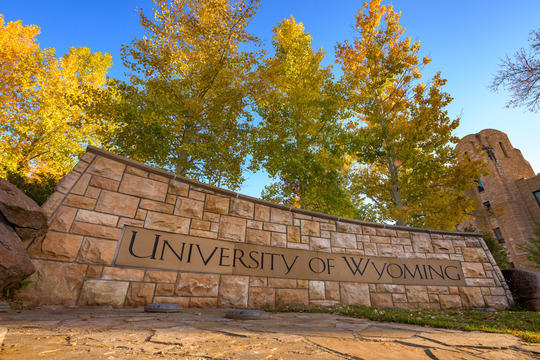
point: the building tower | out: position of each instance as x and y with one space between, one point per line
508 197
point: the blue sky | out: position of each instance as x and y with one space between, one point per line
464 38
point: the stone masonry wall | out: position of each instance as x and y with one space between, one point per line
106 192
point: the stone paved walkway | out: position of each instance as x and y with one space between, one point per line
207 334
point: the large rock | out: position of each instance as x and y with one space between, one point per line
15 265
21 212
525 286
21 221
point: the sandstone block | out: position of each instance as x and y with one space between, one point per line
232 228
200 225
65 184
278 240
136 171
332 290
182 301
62 219
242 208
259 237
129 222
93 271
472 297
189 208
65 278
52 203
104 183
473 270
156 206
310 228
262 213
368 230
117 204
164 289
81 185
282 283
81 166
260 297
343 240
319 244
139 294
390 288
79 201
279 216
381 300
203 233
160 276
421 242
217 204
292 297
196 195
349 228
317 290
107 168
450 301
474 254
103 293
443 246
274 227
417 294
328 227
97 218
92 192
191 284
233 291
166 222
203 302
157 177
93 230
114 273
380 239
387 250
355 294
97 251
178 188
497 302
144 188
56 246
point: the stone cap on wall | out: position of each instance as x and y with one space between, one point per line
157 171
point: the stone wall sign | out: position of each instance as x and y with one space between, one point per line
152 249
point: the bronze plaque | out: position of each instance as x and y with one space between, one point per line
153 249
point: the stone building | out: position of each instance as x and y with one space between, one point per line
508 197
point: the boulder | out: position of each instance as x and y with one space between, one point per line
15 265
21 212
21 221
525 287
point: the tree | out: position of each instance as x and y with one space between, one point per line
401 135
533 247
521 75
185 107
43 123
298 139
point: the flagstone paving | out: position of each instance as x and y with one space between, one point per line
207 334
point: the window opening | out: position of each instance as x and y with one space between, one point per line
498 235
480 187
537 195
503 149
487 205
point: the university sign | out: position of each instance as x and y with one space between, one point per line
144 248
